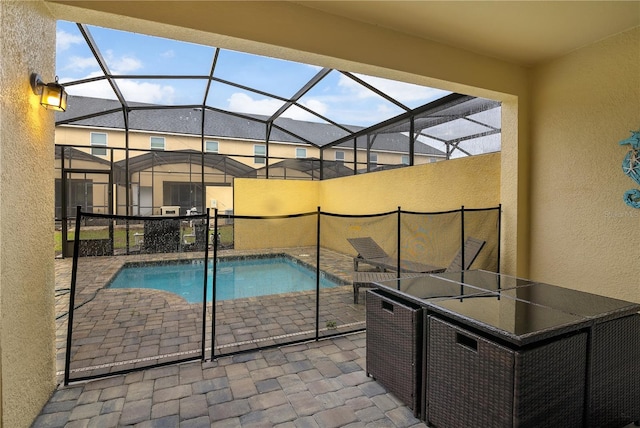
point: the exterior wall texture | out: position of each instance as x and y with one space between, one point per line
260 197
473 182
27 370
582 234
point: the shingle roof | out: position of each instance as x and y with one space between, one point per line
106 113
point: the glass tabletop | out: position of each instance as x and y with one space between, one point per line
484 279
517 309
513 319
427 287
571 301
565 299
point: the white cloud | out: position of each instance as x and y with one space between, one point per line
123 64
117 65
296 113
64 40
300 114
132 90
354 88
401 91
146 92
317 106
240 102
99 89
78 63
168 54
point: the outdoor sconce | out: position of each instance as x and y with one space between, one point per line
52 95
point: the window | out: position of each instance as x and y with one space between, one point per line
301 153
211 146
98 142
157 143
340 156
260 153
405 160
373 160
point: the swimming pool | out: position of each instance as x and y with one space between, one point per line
236 278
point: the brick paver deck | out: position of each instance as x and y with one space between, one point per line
312 384
120 329
315 384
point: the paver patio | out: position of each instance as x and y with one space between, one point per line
312 384
121 329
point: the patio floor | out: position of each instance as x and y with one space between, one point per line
120 329
315 384
312 384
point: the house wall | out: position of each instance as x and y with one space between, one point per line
243 149
582 234
223 197
27 359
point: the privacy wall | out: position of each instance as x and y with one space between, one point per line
472 182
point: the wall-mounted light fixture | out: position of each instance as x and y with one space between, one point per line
52 95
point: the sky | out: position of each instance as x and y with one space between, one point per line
336 97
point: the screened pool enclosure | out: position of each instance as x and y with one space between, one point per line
192 118
156 132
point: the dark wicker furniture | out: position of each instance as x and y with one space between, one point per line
492 385
393 326
508 352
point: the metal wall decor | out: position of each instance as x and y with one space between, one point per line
631 167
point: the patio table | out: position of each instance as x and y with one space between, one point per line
505 351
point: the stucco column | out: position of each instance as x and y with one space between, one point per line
27 334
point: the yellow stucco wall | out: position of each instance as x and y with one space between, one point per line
582 234
473 182
27 370
260 197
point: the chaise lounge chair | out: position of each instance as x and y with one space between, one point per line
371 253
472 247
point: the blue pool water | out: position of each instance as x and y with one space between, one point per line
235 278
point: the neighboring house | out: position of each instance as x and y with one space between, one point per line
167 157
